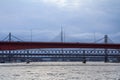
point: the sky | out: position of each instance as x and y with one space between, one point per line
81 20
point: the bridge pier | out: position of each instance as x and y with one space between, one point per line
84 57
106 54
2 59
9 56
28 59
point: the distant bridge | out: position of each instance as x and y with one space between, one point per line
10 50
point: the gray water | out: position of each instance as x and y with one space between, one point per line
60 71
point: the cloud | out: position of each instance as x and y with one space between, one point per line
64 4
79 18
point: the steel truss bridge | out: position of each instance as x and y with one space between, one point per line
60 54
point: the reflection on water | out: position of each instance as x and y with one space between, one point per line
60 71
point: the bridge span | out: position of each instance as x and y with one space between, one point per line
36 45
35 51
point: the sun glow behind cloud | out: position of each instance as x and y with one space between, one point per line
63 3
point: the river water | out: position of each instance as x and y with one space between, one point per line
60 71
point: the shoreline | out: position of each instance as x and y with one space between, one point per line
60 64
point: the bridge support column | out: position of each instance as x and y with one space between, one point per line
2 58
84 57
106 54
9 56
28 59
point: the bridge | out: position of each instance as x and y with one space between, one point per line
62 51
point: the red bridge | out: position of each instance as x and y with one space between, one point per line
36 45
10 50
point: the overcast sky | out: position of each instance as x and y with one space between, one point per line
82 20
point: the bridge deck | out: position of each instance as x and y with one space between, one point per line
36 45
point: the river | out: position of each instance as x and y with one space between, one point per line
60 71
